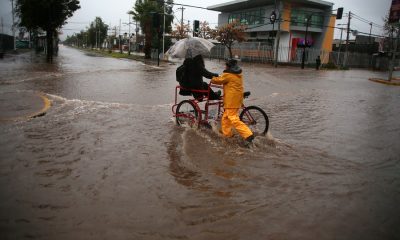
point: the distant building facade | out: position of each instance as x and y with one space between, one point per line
299 18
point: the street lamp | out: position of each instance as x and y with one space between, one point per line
129 33
163 32
305 42
125 37
340 41
13 25
276 16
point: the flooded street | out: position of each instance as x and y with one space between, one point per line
108 162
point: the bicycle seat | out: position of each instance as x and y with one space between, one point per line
246 94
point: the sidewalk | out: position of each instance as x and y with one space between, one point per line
22 105
393 82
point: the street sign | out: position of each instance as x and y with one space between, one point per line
394 14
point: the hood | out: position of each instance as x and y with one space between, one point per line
198 60
235 69
232 66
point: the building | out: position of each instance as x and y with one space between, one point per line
303 24
11 37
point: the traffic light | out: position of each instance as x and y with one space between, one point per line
339 13
196 26
155 20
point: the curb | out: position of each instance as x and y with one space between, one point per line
386 82
39 113
44 109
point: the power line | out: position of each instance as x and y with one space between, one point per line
185 5
68 22
365 20
323 14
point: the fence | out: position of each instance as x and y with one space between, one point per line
264 53
6 42
351 59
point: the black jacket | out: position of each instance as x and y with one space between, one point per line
196 70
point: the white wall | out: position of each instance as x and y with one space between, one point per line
6 17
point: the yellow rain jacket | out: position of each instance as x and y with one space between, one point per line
232 81
233 89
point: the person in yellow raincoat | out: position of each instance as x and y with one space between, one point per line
232 81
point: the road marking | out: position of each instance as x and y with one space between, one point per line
379 80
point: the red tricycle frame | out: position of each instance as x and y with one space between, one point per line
189 112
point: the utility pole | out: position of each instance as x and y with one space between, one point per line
182 8
119 37
95 32
189 26
340 44
370 31
163 32
137 32
347 41
129 34
13 23
278 36
109 32
98 31
305 43
1 39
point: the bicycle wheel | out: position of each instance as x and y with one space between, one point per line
256 119
186 113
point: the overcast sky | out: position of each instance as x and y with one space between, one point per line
112 11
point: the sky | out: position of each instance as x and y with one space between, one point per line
113 11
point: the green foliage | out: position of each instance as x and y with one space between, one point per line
143 12
97 32
78 39
45 14
48 15
94 36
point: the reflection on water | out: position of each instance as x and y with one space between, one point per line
108 162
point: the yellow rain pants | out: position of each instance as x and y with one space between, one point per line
233 100
230 119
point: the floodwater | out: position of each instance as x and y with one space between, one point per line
108 162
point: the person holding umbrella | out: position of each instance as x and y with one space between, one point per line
196 70
192 49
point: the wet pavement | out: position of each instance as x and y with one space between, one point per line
22 105
107 161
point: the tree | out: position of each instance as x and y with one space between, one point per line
230 33
97 32
181 31
391 30
150 15
48 15
206 31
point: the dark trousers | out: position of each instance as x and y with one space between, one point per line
213 95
